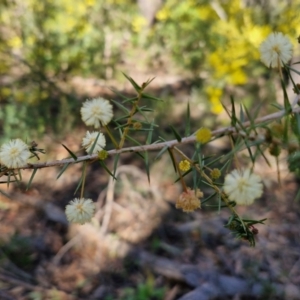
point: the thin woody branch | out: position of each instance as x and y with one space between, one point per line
159 146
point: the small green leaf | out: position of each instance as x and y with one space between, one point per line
145 84
149 137
175 132
20 174
298 125
242 115
147 96
142 113
79 185
8 179
198 155
184 174
208 198
5 194
278 106
256 111
233 114
94 144
140 130
102 163
140 155
148 142
125 117
116 161
121 126
70 152
195 178
287 105
134 84
296 88
249 151
297 197
253 222
212 162
63 169
131 100
122 107
219 202
161 138
81 177
31 178
161 152
119 94
133 140
294 70
172 159
227 163
146 109
286 130
261 152
250 118
147 165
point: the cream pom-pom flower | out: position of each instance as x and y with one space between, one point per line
276 50
96 112
89 140
14 154
243 186
80 210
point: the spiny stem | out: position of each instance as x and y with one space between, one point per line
159 146
129 120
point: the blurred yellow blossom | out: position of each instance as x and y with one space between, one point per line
138 23
205 12
163 14
15 42
214 96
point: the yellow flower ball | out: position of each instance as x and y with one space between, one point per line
184 165
203 135
215 173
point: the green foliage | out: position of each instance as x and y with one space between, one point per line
46 45
218 42
43 44
19 251
49 295
144 291
294 163
244 229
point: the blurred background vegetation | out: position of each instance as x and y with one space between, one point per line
44 44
